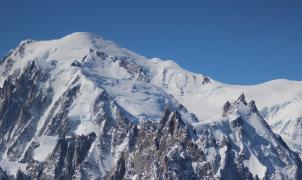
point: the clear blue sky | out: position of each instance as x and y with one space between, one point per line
238 42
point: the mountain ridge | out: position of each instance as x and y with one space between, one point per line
89 97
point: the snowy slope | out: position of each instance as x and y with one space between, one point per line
97 68
71 84
279 101
86 94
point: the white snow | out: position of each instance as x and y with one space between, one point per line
255 167
135 177
81 111
139 99
46 146
222 153
12 167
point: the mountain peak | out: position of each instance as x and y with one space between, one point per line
82 35
85 37
86 95
241 99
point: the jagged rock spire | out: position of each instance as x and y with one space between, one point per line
251 105
241 99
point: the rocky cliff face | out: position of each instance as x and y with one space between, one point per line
82 108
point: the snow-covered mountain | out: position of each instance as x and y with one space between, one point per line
81 107
279 102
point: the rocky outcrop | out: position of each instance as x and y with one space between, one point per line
22 103
205 80
136 71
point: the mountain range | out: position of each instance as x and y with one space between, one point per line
82 107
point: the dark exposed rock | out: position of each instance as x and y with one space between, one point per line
120 169
59 122
133 137
3 175
101 55
233 170
136 71
67 157
241 99
237 122
226 108
22 176
22 105
205 80
83 59
76 63
7 63
27 157
167 159
252 107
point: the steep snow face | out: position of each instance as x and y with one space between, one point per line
99 63
177 81
46 146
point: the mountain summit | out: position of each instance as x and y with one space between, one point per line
81 107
